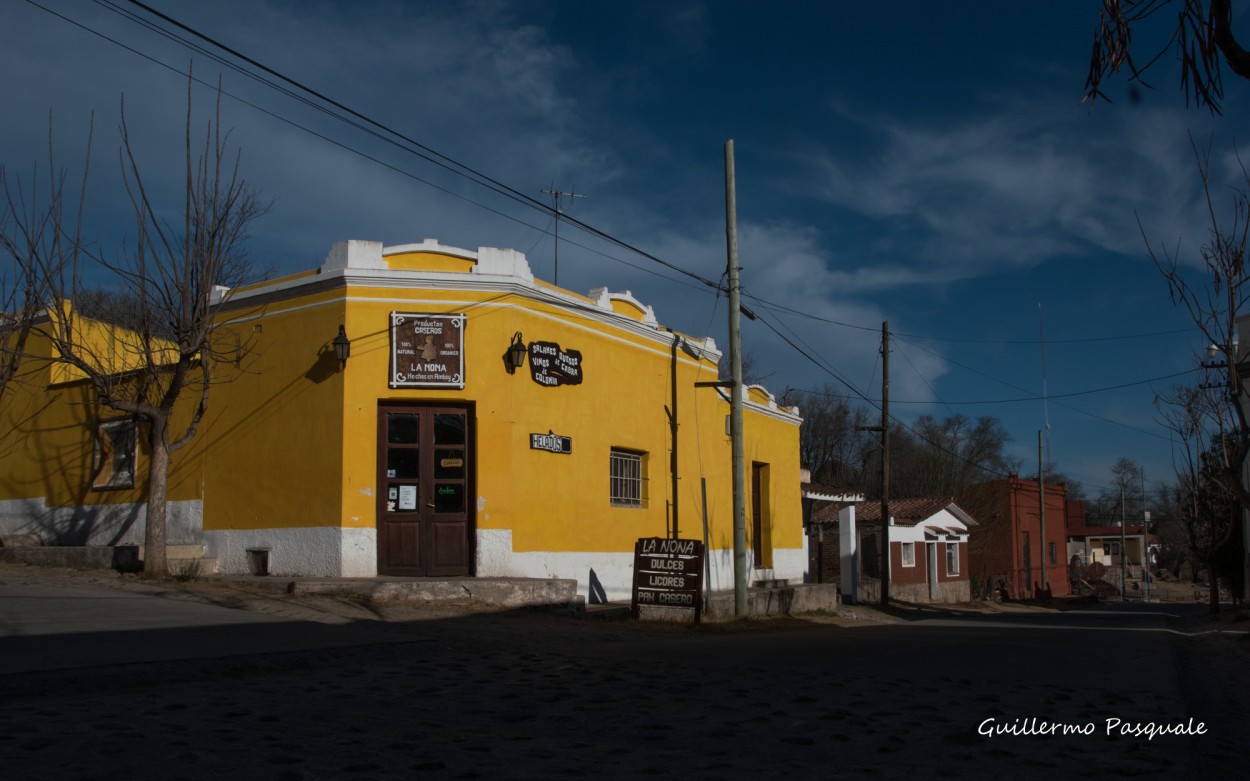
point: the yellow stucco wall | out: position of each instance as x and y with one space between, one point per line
48 419
272 444
290 441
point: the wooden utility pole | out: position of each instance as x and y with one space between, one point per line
735 406
885 464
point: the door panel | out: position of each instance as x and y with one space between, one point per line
424 465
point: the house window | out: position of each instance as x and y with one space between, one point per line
909 554
113 462
952 558
1053 553
626 478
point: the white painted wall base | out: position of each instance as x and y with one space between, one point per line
107 524
613 571
321 551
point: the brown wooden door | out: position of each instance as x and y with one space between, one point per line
424 490
757 516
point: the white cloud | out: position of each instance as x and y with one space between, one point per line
1012 189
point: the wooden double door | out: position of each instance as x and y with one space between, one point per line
425 464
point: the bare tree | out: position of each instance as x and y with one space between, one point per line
36 236
1208 488
1202 36
160 342
1215 307
1124 497
832 443
942 457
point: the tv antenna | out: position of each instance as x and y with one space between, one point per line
556 196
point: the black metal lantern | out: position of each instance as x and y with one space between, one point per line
342 347
514 358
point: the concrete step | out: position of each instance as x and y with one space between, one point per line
124 558
193 551
608 611
501 592
771 583
20 541
770 602
201 566
187 560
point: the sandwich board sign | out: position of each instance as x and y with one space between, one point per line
668 573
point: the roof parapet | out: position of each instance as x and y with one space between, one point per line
604 299
354 253
505 262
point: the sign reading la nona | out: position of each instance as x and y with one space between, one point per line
668 573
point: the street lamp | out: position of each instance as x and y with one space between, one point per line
514 356
342 347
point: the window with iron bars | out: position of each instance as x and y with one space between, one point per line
626 478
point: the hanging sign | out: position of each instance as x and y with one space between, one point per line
553 443
551 366
427 351
668 573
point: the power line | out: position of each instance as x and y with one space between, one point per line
321 136
442 160
411 146
1039 398
455 166
422 151
876 329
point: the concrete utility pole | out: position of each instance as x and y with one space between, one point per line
735 406
672 426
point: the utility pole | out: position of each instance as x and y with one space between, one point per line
735 406
672 426
884 428
556 195
1041 509
885 463
1124 551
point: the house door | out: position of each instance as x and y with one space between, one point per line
425 458
761 546
931 562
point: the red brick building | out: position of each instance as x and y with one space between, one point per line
1008 548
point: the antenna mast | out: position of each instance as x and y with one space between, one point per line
556 195
1041 328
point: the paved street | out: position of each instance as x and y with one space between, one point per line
101 683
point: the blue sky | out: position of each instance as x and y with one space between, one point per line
925 163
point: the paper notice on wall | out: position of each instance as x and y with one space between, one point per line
407 497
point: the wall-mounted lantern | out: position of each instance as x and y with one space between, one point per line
342 347
514 357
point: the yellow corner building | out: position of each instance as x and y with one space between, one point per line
484 424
